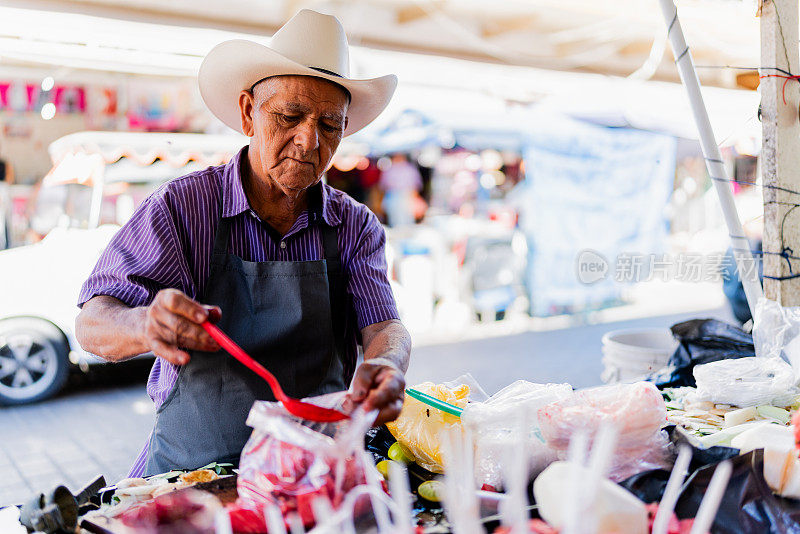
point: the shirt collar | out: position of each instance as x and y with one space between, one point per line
234 200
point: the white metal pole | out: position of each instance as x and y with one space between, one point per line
716 169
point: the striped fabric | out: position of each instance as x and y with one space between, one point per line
169 240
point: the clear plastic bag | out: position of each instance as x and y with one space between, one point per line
495 424
637 412
419 425
291 463
746 382
776 333
180 512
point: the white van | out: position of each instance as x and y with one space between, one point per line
96 181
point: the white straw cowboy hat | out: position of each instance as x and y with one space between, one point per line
310 44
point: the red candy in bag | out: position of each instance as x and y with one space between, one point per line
292 463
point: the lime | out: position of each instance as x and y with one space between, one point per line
383 468
431 490
400 453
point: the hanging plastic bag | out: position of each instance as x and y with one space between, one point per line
291 463
746 382
776 333
494 425
637 411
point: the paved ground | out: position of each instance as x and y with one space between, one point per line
566 355
95 426
99 423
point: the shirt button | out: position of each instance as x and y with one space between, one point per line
283 244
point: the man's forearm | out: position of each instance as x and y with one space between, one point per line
110 329
388 340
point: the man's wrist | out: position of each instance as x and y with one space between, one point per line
138 318
385 361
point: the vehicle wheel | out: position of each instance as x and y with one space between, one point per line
34 360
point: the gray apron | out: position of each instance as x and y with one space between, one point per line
279 312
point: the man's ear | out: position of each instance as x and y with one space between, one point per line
246 109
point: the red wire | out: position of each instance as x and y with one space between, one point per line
785 81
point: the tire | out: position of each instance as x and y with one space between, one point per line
34 360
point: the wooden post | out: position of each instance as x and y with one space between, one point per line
780 152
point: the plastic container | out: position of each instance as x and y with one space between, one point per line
634 353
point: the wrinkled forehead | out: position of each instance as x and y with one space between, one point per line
302 89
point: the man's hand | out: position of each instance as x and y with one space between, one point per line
380 385
172 322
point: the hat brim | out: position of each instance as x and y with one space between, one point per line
237 64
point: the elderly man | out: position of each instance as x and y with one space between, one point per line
292 269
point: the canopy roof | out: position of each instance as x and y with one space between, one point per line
175 149
86 157
621 38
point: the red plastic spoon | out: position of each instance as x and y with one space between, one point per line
296 407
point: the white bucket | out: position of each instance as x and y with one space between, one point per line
634 353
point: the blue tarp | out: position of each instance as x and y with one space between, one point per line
596 188
587 187
472 130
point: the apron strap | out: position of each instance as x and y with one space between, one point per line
330 247
221 238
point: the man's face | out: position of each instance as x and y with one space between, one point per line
296 124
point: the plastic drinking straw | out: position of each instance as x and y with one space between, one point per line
576 456
602 450
401 493
605 442
672 491
714 164
434 402
295 523
222 522
599 462
380 511
514 462
710 503
274 519
321 507
460 499
341 520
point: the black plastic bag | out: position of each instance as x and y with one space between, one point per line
702 341
748 504
649 486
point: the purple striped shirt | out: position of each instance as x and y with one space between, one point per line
169 239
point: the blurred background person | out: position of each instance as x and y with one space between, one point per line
6 179
750 206
401 184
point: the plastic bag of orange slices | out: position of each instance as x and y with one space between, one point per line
419 425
